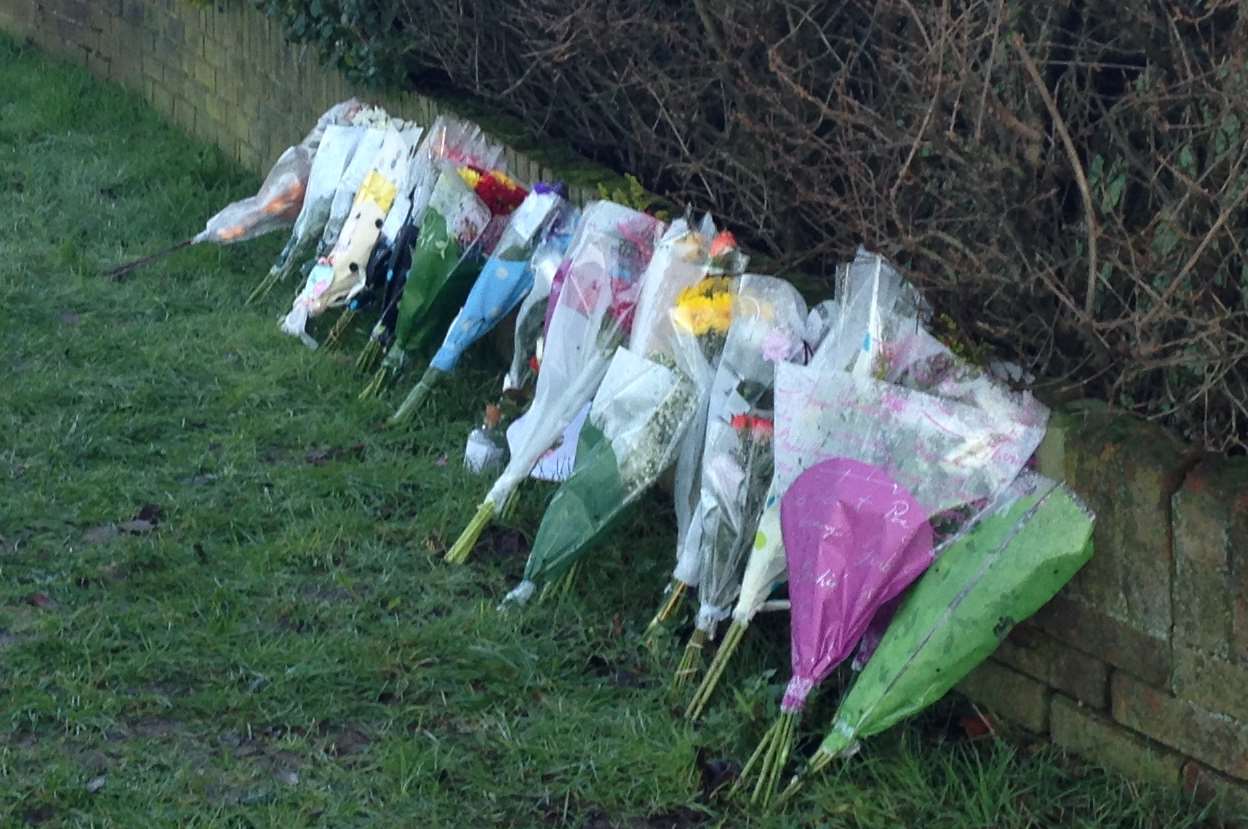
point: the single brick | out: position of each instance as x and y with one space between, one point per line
133 11
1094 633
1010 694
162 100
1073 672
1213 682
1215 739
1103 741
203 72
1205 785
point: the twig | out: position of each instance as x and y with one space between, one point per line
1089 301
120 272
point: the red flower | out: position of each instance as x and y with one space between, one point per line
533 364
723 243
500 194
760 428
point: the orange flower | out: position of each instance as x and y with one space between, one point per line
723 243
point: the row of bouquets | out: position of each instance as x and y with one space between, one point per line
838 462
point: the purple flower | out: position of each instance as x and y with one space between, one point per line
558 188
777 346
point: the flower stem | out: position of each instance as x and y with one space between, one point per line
336 333
417 396
817 763
462 547
375 385
509 505
262 289
788 735
692 658
776 758
764 745
675 595
736 631
368 355
569 579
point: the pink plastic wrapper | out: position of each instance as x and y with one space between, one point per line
854 539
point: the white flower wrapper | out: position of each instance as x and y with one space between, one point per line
336 149
362 162
337 276
767 330
590 320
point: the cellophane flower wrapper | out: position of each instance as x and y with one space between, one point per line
819 324
768 324
637 418
505 279
280 198
1005 565
700 319
635 424
556 463
592 317
338 275
501 285
605 220
362 162
941 454
458 232
946 453
876 332
448 142
681 260
854 539
531 317
328 165
405 172
275 205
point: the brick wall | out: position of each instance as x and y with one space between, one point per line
1140 664
224 74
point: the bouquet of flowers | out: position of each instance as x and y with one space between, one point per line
1005 566
767 330
449 141
941 453
372 284
328 165
701 319
498 289
591 319
530 319
636 421
461 225
630 438
274 206
557 462
855 538
339 275
874 333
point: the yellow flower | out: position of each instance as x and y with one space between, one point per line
704 307
721 311
470 176
503 178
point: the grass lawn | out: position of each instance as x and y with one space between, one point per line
276 640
